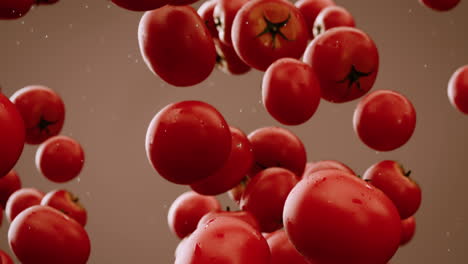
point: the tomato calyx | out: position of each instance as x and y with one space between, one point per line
353 78
274 29
43 125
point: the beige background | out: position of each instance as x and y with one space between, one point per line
88 52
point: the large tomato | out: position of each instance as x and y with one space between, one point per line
283 251
346 61
44 235
458 89
176 45
440 5
21 200
332 16
333 217
310 10
141 5
224 13
9 184
11 9
188 141
205 11
266 30
12 135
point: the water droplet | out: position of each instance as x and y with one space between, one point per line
31 30
241 110
78 179
425 65
108 6
86 6
410 11
22 22
18 42
46 36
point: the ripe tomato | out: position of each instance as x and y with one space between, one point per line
140 5
346 62
42 110
188 141
278 147
174 41
310 10
225 239
290 91
5 258
331 17
223 14
332 217
228 61
242 215
60 159
312 167
8 185
394 181
11 9
458 89
67 203
186 211
384 120
239 162
12 137
205 11
408 228
283 251
440 5
264 31
44 235
21 200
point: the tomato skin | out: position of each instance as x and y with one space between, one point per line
331 17
21 200
67 203
44 235
389 177
408 229
384 120
310 10
42 110
440 5
13 135
9 184
141 5
458 89
290 91
188 141
255 43
225 240
60 159
13 9
224 13
205 11
228 61
333 217
242 215
312 167
5 258
239 162
346 62
174 41
283 251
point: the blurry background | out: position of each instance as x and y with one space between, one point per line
88 52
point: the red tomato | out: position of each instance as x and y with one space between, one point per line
236 193
265 195
186 211
13 135
334 218
8 185
278 147
384 120
331 17
43 112
174 41
11 9
394 181
67 203
440 5
242 215
290 91
239 162
188 141
141 5
264 31
346 62
282 251
408 228
44 235
224 14
312 167
310 10
205 11
458 89
5 258
225 240
228 61
21 200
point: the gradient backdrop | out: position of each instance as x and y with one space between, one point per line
88 52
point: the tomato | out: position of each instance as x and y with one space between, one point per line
141 5
290 91
44 235
12 137
67 203
12 9
188 141
239 162
332 217
331 17
282 251
458 89
42 110
225 239
5 258
205 11
242 215
265 195
408 228
312 167
264 31
236 193
186 211
440 5
310 10
384 120
60 159
176 45
21 200
8 185
228 61
223 14
346 62
278 147
394 181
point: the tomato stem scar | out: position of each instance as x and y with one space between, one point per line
274 29
353 78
